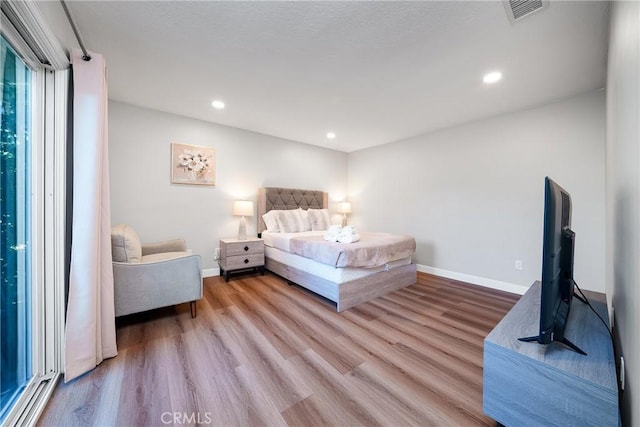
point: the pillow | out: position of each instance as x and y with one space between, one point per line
320 219
125 244
270 221
289 221
306 222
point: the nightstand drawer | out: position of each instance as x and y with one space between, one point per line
242 248
240 255
243 261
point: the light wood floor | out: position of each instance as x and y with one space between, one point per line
262 352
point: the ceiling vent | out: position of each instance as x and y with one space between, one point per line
518 9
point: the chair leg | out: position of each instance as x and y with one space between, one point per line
193 307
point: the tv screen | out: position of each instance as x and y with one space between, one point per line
557 267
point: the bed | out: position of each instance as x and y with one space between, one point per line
345 286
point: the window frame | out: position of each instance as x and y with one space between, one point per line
48 139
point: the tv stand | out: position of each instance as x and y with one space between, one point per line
532 385
572 346
578 296
564 341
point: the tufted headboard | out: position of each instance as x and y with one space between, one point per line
288 198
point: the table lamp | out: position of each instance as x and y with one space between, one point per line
242 208
344 208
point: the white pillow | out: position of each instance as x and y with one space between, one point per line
271 222
306 222
125 244
320 219
289 221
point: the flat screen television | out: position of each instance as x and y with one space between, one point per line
557 290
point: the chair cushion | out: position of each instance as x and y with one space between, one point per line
164 256
125 244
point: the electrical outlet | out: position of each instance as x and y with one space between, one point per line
621 373
518 264
217 254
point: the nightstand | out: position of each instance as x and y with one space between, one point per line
238 255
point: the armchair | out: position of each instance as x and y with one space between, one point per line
149 276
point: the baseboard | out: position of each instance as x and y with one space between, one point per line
480 281
210 272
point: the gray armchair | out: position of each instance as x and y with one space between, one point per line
152 275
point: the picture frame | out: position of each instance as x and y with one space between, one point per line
193 165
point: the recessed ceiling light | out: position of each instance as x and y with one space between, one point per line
492 77
331 135
218 105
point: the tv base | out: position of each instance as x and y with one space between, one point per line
578 296
564 341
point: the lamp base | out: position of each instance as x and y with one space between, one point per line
344 220
242 229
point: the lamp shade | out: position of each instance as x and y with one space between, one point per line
242 208
344 207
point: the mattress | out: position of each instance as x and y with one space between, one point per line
282 241
333 274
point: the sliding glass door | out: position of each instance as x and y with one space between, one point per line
15 228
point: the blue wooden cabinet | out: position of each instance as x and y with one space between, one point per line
528 384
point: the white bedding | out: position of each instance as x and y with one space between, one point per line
277 248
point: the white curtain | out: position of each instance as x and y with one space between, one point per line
90 334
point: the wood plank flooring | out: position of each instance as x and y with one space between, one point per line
262 352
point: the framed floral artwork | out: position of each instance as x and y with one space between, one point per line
191 164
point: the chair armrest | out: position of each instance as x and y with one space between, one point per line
145 286
176 245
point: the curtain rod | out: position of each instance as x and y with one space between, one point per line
85 54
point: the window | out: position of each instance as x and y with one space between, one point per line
34 77
15 228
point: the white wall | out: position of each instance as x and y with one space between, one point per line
473 195
143 196
623 192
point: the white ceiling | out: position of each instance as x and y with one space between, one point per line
372 72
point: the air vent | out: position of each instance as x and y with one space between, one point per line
518 9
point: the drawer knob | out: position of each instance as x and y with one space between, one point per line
246 248
246 261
